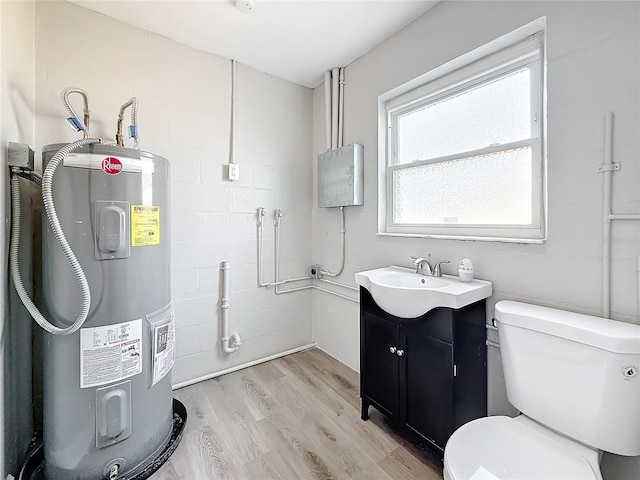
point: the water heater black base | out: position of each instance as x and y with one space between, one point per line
33 468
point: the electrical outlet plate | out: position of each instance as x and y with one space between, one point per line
234 171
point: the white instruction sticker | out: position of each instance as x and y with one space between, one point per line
163 342
110 353
164 351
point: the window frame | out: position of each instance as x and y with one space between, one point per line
524 47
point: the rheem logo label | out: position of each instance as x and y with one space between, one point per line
111 166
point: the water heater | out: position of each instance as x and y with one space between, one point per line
107 395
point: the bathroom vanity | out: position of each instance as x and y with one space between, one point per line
427 373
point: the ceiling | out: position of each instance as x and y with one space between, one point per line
297 40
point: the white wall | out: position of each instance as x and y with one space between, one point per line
593 67
184 115
17 120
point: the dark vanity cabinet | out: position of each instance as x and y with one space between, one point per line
428 373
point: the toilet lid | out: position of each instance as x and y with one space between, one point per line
500 448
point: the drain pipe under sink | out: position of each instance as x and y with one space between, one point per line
230 343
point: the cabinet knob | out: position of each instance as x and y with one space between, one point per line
392 349
400 353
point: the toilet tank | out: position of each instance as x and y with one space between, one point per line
576 374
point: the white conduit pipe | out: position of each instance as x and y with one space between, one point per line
334 108
232 140
346 297
261 282
630 216
290 290
638 266
259 222
331 282
230 343
276 222
608 217
327 109
342 247
341 108
276 225
277 215
316 287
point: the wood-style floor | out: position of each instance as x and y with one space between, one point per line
297 417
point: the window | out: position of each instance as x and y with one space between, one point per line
461 148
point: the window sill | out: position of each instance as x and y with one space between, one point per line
531 241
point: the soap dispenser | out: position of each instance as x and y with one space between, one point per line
465 270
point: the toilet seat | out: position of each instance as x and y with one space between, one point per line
501 448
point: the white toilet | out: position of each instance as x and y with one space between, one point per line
576 380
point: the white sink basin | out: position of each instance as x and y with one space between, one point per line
406 294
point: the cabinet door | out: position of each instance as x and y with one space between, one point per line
427 382
379 365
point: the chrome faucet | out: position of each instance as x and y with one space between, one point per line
423 267
436 268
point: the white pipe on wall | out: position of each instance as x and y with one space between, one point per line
346 297
334 108
327 109
232 140
276 223
606 217
343 232
291 290
638 267
331 282
336 123
341 108
277 282
230 343
277 215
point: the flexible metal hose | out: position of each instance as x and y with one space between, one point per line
87 113
133 129
52 216
31 176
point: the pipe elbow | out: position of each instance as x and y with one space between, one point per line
231 343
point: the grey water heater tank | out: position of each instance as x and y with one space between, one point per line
341 177
107 391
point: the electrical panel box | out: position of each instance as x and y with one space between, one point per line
341 177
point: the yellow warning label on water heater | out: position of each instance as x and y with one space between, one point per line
145 225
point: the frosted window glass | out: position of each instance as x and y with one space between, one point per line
494 112
490 189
